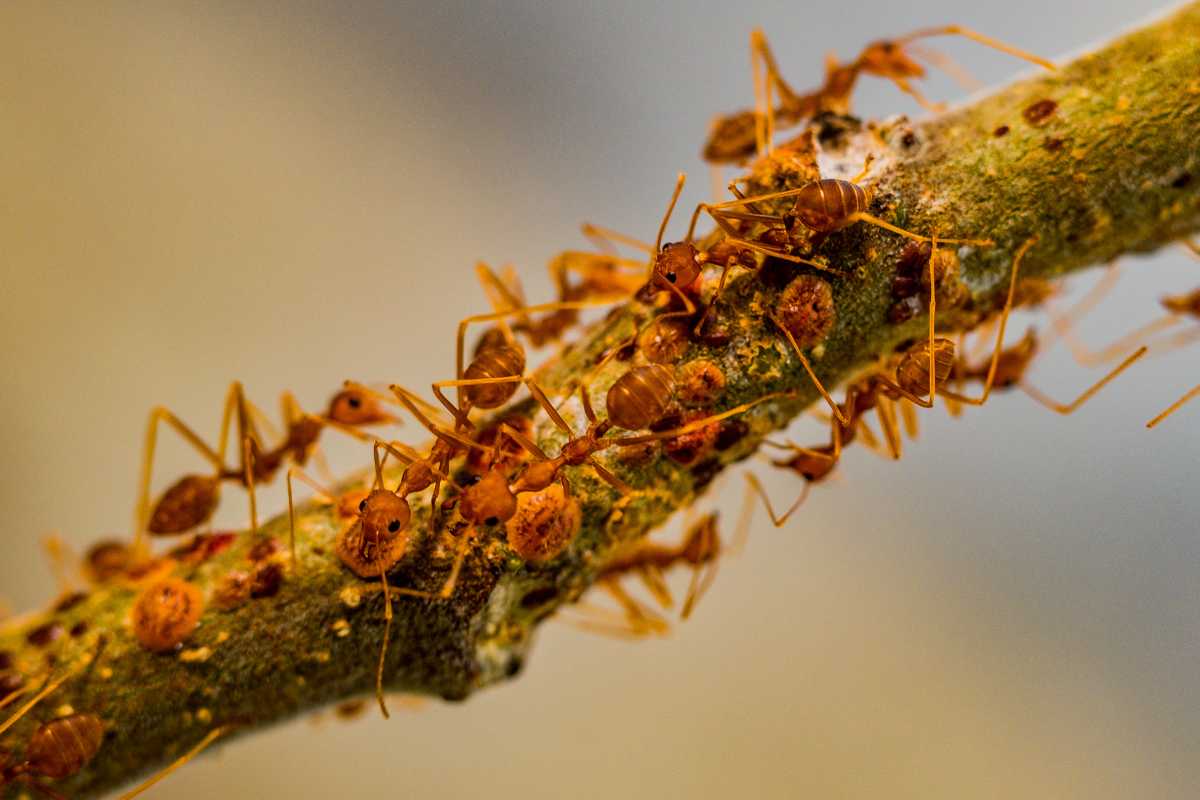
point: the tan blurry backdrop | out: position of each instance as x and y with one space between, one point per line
292 196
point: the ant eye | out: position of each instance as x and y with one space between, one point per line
474 479
394 526
491 520
354 402
362 507
671 277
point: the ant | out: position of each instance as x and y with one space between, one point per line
736 137
916 379
822 206
191 501
700 549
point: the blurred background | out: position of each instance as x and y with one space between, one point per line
292 194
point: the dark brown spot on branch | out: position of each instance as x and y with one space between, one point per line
1039 112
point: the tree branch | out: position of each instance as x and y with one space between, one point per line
1095 160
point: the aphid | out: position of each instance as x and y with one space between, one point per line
544 525
735 137
166 613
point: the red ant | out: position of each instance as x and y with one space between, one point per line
192 500
735 137
700 549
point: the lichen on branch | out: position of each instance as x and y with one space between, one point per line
1096 159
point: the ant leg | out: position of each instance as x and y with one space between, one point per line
248 477
1191 244
887 423
986 41
501 298
695 425
383 648
14 696
1171 409
999 345
642 620
662 227
208 739
445 434
866 168
698 586
604 238
964 79
299 473
863 216
37 698
459 557
712 304
908 415
523 440
1067 408
163 414
60 554
777 520
606 476
912 91
837 411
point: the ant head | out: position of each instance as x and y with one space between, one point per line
186 504
1013 361
703 543
489 500
384 516
677 264
887 59
731 138
354 406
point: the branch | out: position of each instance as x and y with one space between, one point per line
1095 160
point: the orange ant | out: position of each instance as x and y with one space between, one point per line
822 206
700 549
735 137
192 500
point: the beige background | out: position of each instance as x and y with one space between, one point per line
292 196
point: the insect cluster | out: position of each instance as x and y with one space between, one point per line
515 485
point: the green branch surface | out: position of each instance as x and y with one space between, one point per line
1095 160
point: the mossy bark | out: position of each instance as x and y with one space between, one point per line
1095 160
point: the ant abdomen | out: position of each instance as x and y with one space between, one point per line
502 361
912 373
828 204
640 397
60 748
189 502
